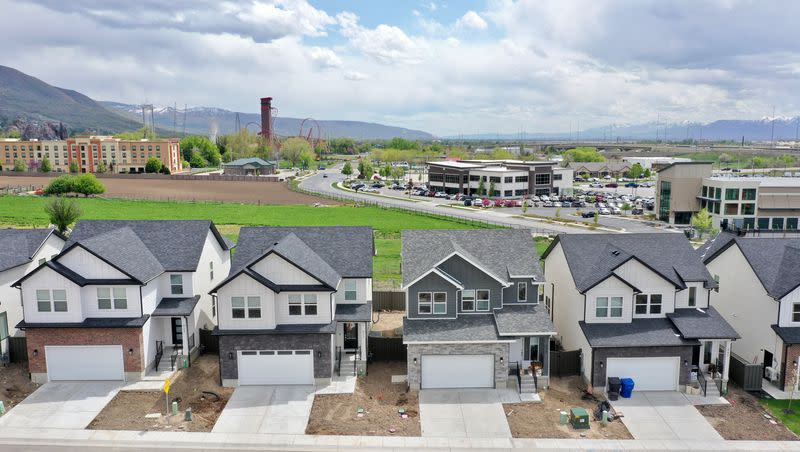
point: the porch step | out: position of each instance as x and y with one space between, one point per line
528 388
712 390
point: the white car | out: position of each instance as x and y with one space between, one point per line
477 202
557 204
616 211
604 211
440 194
544 198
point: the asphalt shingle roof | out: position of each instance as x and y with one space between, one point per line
638 333
17 246
502 252
352 312
123 249
300 328
522 319
593 257
175 244
250 161
775 261
466 328
702 324
179 307
298 252
348 250
789 335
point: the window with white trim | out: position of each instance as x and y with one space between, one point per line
693 296
482 303
51 300
302 304
795 312
522 291
440 302
211 270
112 298
350 290
648 304
176 284
295 304
254 307
606 307
310 304
467 300
246 307
424 303
237 307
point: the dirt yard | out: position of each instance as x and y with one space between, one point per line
389 323
540 420
187 190
338 414
127 410
15 384
744 419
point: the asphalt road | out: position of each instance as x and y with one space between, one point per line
502 216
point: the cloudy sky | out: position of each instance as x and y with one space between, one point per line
447 67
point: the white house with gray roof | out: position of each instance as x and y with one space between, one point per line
637 306
21 251
123 300
297 305
473 310
759 294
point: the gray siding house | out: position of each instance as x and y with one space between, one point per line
472 310
296 304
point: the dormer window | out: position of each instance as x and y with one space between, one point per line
522 291
176 284
693 296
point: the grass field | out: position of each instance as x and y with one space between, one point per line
21 211
776 407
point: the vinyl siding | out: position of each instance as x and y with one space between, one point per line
88 265
279 271
243 286
431 283
363 290
649 282
610 287
202 282
48 279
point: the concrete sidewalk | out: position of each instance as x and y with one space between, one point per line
116 440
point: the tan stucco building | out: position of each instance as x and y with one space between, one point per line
677 189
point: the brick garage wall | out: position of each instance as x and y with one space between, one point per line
498 350
319 343
128 338
602 354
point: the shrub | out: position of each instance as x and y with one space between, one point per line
153 165
164 170
198 161
73 166
101 167
20 166
61 185
45 167
87 184
62 212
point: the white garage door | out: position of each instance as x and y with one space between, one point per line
90 362
457 371
276 367
649 374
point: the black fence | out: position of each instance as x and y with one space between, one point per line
564 364
18 349
387 349
745 374
209 342
388 301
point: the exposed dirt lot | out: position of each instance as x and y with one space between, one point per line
744 419
187 190
127 410
540 420
389 323
15 384
337 414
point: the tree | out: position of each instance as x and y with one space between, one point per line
306 157
153 165
20 166
397 173
347 169
102 167
524 205
491 188
702 222
788 160
45 167
73 166
636 171
386 171
482 186
365 169
196 144
725 158
403 144
583 154
342 145
87 184
501 154
293 149
185 164
198 161
647 173
760 162
626 207
61 185
62 212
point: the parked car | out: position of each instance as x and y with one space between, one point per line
612 185
322 168
604 211
378 185
557 204
631 185
488 202
591 214
544 198
616 211
358 186
566 204
547 204
596 185
440 194
477 202
325 176
637 211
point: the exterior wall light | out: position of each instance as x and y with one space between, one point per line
415 360
35 352
130 351
230 355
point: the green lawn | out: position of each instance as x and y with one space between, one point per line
776 407
541 244
21 211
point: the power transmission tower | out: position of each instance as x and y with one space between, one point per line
175 119
184 120
772 134
238 124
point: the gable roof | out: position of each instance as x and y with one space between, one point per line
18 246
775 261
250 161
176 245
123 249
593 258
501 253
297 252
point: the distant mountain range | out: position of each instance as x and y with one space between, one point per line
214 121
37 108
785 128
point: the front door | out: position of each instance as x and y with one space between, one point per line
350 336
767 362
177 331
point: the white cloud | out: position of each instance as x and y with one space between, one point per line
473 20
324 58
385 43
355 76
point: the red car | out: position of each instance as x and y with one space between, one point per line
612 185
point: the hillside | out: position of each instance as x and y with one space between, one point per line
211 121
30 103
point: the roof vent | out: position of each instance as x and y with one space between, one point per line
615 252
275 244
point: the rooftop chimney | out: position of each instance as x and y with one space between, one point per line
266 118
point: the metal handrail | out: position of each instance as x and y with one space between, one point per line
159 353
701 378
173 358
516 367
339 361
355 361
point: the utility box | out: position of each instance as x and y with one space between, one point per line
579 418
614 386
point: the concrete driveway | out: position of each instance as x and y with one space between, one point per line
267 409
664 415
68 405
467 413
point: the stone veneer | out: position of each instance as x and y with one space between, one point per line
499 350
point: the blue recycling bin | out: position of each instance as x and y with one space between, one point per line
627 387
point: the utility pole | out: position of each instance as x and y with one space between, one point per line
772 134
184 120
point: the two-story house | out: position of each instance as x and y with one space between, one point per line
121 298
637 306
759 294
297 305
472 309
21 251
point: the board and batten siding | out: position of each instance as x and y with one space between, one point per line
649 282
610 287
48 279
432 283
202 282
473 278
511 295
363 291
701 297
89 266
279 271
244 286
786 308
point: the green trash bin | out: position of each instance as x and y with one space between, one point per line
563 418
579 418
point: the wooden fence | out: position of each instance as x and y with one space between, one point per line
388 301
18 349
387 349
209 342
745 374
563 364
